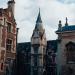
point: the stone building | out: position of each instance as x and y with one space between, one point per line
37 56
66 49
59 54
7 38
24 58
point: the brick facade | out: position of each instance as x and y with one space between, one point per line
7 38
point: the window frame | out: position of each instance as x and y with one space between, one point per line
9 27
9 42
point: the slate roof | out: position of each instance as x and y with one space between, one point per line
39 18
67 28
24 46
52 44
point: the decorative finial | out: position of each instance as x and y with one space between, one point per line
59 25
66 24
59 21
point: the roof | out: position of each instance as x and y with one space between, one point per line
24 46
52 44
67 28
39 18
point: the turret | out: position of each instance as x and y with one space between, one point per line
11 5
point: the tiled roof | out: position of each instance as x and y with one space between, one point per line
67 28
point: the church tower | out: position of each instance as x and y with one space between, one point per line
38 48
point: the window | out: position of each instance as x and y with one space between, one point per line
9 45
1 66
70 52
2 55
9 28
8 60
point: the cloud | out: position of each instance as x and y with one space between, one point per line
52 11
67 1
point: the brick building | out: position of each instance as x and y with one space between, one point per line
7 38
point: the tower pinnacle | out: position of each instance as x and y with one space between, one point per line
66 24
39 18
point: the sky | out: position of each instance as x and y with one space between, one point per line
26 12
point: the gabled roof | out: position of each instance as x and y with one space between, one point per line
67 28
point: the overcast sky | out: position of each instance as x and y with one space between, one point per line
52 11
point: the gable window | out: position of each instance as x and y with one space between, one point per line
9 28
70 52
9 45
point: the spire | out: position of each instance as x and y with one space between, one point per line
66 24
11 1
39 18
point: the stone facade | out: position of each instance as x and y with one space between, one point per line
66 50
7 38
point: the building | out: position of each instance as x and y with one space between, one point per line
37 56
38 48
7 39
51 52
23 58
59 54
66 49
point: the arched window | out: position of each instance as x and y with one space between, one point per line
70 52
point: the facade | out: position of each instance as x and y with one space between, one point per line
51 52
66 49
7 39
24 58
